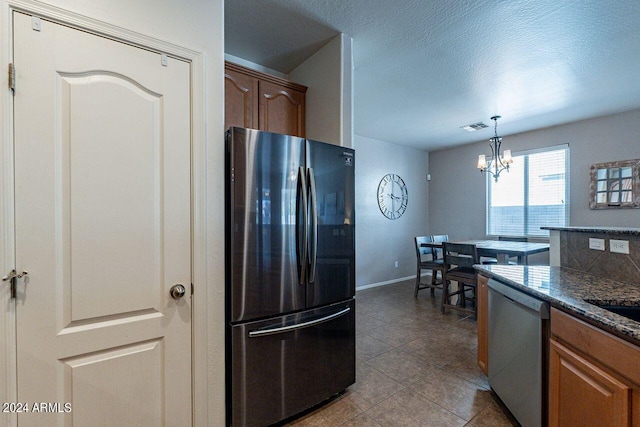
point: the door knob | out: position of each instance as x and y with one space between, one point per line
177 291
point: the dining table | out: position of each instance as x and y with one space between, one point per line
501 250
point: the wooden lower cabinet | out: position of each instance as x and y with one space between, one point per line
594 377
483 323
584 394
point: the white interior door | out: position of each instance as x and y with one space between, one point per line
103 226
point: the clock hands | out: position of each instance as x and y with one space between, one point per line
393 200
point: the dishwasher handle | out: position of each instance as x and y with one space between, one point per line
541 308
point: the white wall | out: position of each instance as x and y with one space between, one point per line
457 198
197 25
380 241
328 75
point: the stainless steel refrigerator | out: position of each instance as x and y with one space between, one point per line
290 265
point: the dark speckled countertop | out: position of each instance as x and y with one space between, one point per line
606 230
570 290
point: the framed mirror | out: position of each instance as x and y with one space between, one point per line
615 185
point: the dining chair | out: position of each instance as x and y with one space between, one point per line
427 261
513 239
438 238
459 259
437 253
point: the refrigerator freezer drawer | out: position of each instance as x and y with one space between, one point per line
282 366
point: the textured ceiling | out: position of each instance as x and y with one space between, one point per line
423 68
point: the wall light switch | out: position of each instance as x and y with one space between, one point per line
619 246
597 244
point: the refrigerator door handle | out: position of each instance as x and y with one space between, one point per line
313 251
282 329
302 243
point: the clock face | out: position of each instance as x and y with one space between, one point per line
392 196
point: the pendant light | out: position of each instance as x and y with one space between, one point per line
499 163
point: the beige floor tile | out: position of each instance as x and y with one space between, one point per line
401 366
415 367
367 323
362 420
335 413
465 365
494 415
368 347
409 409
463 398
372 387
397 335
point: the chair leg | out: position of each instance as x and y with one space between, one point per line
445 293
473 298
475 303
434 273
463 296
415 292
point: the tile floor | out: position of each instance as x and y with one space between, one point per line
414 367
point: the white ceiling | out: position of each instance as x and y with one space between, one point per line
423 68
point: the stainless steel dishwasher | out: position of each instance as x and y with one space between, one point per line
518 352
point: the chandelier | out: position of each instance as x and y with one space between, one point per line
499 163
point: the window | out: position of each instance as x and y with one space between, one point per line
534 193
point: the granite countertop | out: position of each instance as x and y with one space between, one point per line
571 289
608 230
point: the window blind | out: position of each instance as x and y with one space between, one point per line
534 193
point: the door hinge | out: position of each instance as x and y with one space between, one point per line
12 78
192 289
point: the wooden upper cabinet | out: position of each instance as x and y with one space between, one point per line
240 96
281 109
261 101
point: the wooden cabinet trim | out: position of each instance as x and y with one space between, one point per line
483 324
266 77
611 351
234 80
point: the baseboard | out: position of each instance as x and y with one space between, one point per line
389 282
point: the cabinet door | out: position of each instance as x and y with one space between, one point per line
483 330
581 393
281 109
240 100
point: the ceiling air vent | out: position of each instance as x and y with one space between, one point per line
474 127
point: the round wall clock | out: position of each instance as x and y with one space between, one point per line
392 196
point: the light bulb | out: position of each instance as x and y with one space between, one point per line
482 161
